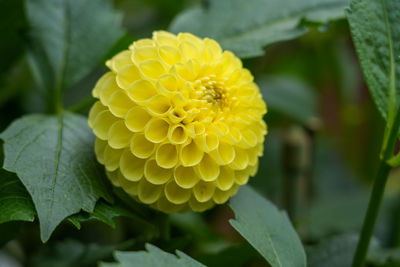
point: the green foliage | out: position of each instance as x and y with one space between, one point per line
152 257
267 229
15 202
246 29
68 38
106 213
334 252
72 253
375 28
385 257
290 97
53 157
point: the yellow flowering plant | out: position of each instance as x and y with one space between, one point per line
178 122
161 135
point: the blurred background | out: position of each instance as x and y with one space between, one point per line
320 155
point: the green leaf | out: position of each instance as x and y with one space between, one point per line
289 96
53 156
337 251
384 257
12 24
68 38
72 253
152 257
375 28
15 202
246 28
267 229
107 213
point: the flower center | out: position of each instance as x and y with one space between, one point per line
211 91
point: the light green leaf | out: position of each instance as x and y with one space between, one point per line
245 28
375 28
153 257
289 96
53 156
267 229
68 38
15 202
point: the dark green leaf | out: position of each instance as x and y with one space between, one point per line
53 156
334 252
289 96
375 28
72 253
12 24
245 28
384 257
106 213
68 38
235 256
267 229
15 202
154 257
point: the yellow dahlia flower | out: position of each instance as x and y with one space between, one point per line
179 122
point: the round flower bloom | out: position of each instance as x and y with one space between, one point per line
179 122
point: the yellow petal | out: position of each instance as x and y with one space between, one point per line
226 178
120 60
94 111
203 191
207 142
156 130
167 84
141 54
241 159
141 91
207 169
102 124
166 206
127 76
148 193
119 136
185 177
100 83
224 154
111 158
132 168
131 188
152 69
190 154
120 103
176 194
141 147
169 54
158 105
137 118
99 147
166 155
109 88
165 38
200 206
177 134
156 174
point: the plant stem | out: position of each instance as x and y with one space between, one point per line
376 196
372 214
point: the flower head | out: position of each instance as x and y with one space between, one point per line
179 122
